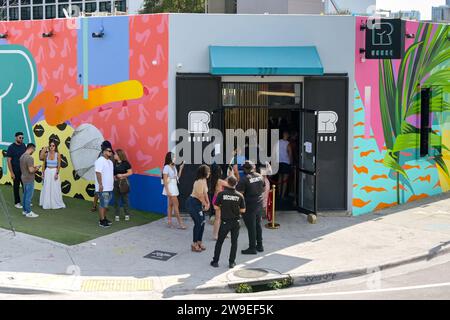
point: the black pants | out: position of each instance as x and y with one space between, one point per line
252 219
225 227
16 186
120 196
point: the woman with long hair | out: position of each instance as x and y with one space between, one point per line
122 170
170 178
217 186
197 203
51 195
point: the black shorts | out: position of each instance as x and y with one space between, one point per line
284 168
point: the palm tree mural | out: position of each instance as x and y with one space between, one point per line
426 62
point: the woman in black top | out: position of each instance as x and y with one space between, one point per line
122 170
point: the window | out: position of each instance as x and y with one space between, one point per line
50 12
120 5
49 1
37 1
61 8
90 7
38 12
13 13
105 6
25 13
3 14
25 2
261 94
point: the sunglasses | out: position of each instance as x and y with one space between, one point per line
21 138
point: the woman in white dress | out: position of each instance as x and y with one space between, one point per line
51 195
170 177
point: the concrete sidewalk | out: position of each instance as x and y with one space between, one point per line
334 248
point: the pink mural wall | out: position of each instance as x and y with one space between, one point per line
388 169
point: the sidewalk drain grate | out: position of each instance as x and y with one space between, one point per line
250 273
95 285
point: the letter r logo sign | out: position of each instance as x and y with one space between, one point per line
327 121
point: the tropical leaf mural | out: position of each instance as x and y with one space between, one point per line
426 63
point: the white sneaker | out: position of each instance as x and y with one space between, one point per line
31 215
117 218
24 213
18 206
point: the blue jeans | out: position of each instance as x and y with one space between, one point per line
105 198
195 209
28 190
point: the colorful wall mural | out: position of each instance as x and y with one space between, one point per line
387 168
81 90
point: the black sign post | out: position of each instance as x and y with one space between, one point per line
385 38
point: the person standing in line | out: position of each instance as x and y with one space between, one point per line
14 152
285 160
51 195
104 182
95 201
252 187
170 178
28 170
122 170
196 204
217 186
230 204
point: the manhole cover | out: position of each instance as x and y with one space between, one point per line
250 273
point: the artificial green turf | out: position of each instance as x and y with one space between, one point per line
70 226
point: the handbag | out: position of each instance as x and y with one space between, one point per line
124 187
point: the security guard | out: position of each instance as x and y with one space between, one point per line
252 187
230 204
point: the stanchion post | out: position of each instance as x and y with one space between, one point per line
273 225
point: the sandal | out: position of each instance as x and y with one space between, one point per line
202 247
182 227
194 248
93 209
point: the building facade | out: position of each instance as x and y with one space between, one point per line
441 13
50 9
291 6
407 15
372 132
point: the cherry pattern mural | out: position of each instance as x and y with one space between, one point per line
116 84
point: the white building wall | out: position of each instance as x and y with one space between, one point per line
191 35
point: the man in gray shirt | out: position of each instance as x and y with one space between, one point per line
28 170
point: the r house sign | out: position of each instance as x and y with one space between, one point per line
385 38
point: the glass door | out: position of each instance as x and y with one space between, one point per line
307 161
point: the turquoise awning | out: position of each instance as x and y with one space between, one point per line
232 60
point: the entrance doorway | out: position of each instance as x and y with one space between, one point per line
315 108
286 121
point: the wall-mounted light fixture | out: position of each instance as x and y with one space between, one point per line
363 27
410 35
98 34
4 35
362 53
47 34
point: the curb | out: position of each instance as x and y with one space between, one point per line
311 279
298 279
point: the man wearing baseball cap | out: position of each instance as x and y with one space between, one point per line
251 185
104 182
